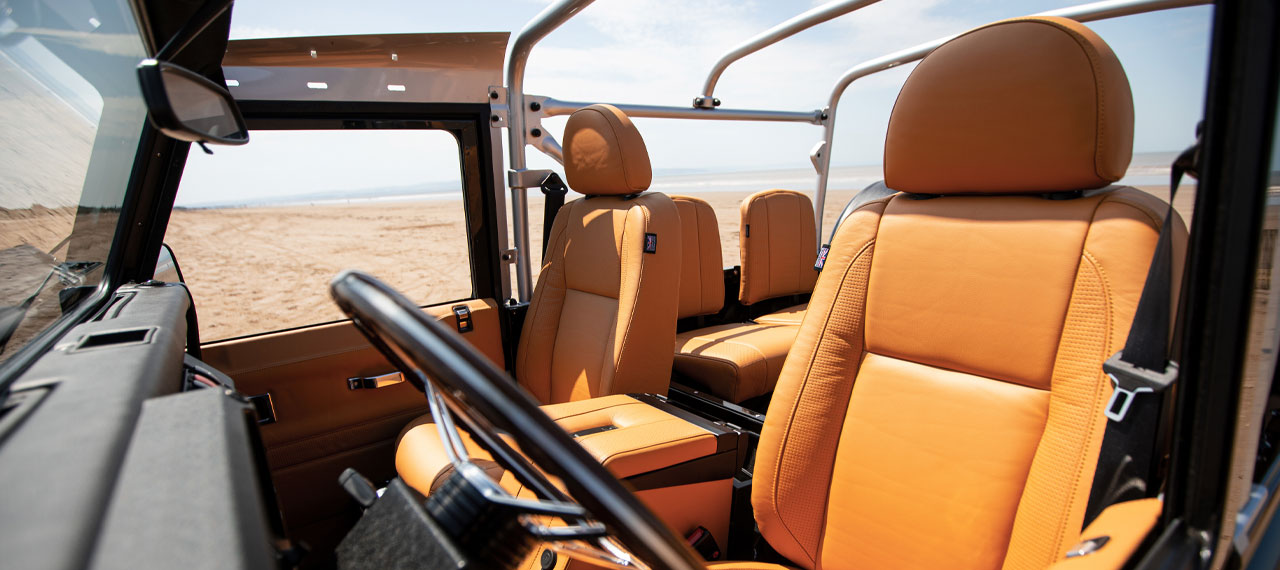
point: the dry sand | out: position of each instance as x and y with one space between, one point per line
260 269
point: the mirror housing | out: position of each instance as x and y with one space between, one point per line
187 106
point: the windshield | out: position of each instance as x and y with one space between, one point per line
72 117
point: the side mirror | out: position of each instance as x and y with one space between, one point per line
189 107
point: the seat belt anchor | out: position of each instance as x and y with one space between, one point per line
553 185
1129 381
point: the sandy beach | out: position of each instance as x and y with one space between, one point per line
267 268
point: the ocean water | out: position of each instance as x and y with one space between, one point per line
1147 169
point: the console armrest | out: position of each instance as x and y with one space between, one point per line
1124 526
637 435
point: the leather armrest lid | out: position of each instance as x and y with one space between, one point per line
644 439
1126 524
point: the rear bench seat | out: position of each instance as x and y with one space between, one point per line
740 361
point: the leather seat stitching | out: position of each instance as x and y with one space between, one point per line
1157 221
595 410
1098 391
622 155
697 233
808 370
605 460
635 302
536 304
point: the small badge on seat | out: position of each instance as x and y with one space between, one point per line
651 243
822 257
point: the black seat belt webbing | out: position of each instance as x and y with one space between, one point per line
1140 374
554 189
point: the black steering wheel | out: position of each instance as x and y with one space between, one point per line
457 378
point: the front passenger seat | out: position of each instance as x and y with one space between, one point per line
602 319
943 404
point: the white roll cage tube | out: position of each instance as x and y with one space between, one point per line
526 111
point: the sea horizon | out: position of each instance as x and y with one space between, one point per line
1146 169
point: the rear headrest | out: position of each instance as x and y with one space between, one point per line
604 153
778 242
1029 105
702 274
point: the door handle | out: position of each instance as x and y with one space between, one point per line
371 382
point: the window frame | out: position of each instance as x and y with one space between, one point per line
137 209
1217 294
469 125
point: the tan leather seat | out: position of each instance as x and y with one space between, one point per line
943 404
792 315
735 361
702 272
778 243
603 315
602 318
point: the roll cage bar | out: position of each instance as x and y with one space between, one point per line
524 112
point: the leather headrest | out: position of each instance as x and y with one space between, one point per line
1029 105
604 153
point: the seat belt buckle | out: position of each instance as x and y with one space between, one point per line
1129 381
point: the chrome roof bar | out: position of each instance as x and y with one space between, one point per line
771 36
1082 13
524 107
544 23
553 107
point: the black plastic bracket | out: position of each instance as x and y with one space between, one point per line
1129 381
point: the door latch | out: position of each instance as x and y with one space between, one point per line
265 407
462 315
371 382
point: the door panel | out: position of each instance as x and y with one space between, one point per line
322 426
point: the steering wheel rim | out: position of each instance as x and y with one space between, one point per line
471 383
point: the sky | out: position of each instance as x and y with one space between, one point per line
660 51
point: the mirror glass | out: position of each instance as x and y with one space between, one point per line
198 107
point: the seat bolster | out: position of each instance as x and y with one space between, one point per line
792 315
735 361
538 335
647 302
1116 254
702 273
789 504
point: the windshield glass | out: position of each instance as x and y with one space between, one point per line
72 117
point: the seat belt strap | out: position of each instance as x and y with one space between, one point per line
1143 365
554 190
1140 374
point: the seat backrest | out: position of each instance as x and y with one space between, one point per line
702 272
778 244
942 406
602 318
